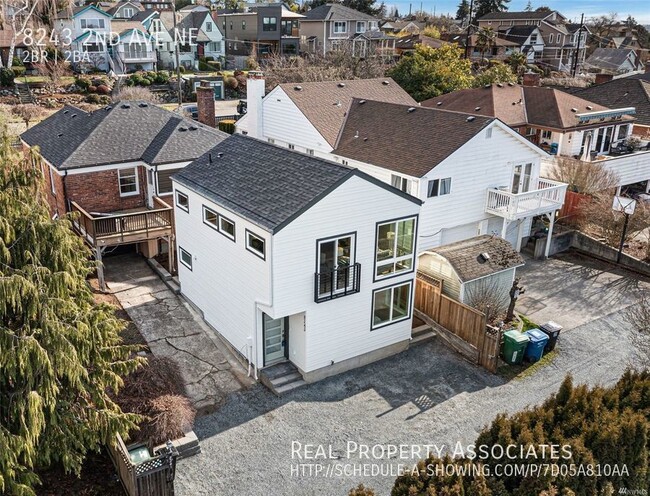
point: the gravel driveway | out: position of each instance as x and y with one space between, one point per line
426 395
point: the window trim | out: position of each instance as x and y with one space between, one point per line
217 226
185 209
345 26
416 218
137 181
409 312
182 250
439 180
248 234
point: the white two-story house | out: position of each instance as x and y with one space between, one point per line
295 260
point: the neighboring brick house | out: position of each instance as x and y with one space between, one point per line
562 39
113 167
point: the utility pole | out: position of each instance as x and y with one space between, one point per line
178 59
469 27
575 57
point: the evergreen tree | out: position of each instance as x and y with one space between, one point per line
463 10
429 72
365 6
484 7
396 14
529 7
60 352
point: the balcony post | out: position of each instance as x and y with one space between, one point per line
547 249
520 233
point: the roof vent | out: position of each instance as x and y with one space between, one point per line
487 86
411 109
193 128
511 84
574 109
297 88
220 154
476 109
108 108
385 83
485 256
73 115
356 135
182 128
470 118
126 106
341 85
439 103
337 104
143 105
500 85
365 139
66 111
589 107
60 134
361 102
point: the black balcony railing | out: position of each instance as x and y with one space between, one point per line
341 281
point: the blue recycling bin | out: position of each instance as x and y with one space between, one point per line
554 148
535 348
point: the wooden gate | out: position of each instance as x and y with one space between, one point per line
153 477
462 327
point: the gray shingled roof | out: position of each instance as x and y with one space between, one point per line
124 132
266 184
465 256
622 92
609 58
407 139
514 16
335 12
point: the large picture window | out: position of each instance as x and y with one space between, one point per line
128 179
270 24
395 250
390 305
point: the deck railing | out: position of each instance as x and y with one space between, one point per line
547 196
336 283
118 227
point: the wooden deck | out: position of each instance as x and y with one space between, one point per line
124 227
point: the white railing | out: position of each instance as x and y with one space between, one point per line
546 197
136 55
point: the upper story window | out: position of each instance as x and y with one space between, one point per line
361 27
128 180
373 26
546 134
390 305
92 24
340 27
337 274
400 183
243 25
185 257
93 47
255 244
208 27
395 248
439 187
270 24
182 201
550 38
533 39
128 12
218 222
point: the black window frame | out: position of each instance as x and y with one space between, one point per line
409 313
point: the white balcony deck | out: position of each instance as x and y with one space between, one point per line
547 196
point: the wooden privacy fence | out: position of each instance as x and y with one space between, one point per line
462 327
153 477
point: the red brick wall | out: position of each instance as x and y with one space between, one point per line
99 191
55 200
641 131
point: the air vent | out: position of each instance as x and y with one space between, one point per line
500 85
73 115
411 109
574 110
341 85
476 109
60 134
385 83
487 86
220 154
126 106
361 102
471 118
66 111
589 107
143 105
182 128
356 135
193 128
365 139
511 84
297 88
438 104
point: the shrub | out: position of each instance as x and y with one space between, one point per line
16 61
92 89
93 98
18 70
102 89
145 82
227 126
231 83
215 65
82 83
181 69
361 490
169 416
251 64
6 77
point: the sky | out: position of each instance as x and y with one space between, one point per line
639 9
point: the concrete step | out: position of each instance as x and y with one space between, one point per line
174 288
289 387
420 329
281 381
422 337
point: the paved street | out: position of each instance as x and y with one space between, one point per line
427 395
170 329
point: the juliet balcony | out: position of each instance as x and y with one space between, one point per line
336 283
547 196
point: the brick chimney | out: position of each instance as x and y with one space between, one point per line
603 78
531 79
205 104
255 89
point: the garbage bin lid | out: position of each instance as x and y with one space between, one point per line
551 326
517 336
536 335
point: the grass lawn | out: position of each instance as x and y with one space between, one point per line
65 80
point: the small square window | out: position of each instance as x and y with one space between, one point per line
255 244
227 227
128 179
182 201
185 257
439 187
210 217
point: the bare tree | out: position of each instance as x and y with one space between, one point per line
28 112
53 70
584 177
489 297
638 316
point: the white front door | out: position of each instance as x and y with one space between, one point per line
274 333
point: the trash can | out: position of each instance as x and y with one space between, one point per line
535 348
514 345
552 330
554 148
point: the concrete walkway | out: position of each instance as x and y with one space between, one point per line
171 329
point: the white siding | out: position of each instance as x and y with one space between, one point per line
500 282
282 119
337 329
439 267
630 169
226 280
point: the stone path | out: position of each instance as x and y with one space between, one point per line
171 329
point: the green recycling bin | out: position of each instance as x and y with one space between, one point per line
514 345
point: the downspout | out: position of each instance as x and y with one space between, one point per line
66 201
324 38
258 303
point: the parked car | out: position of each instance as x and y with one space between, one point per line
193 110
